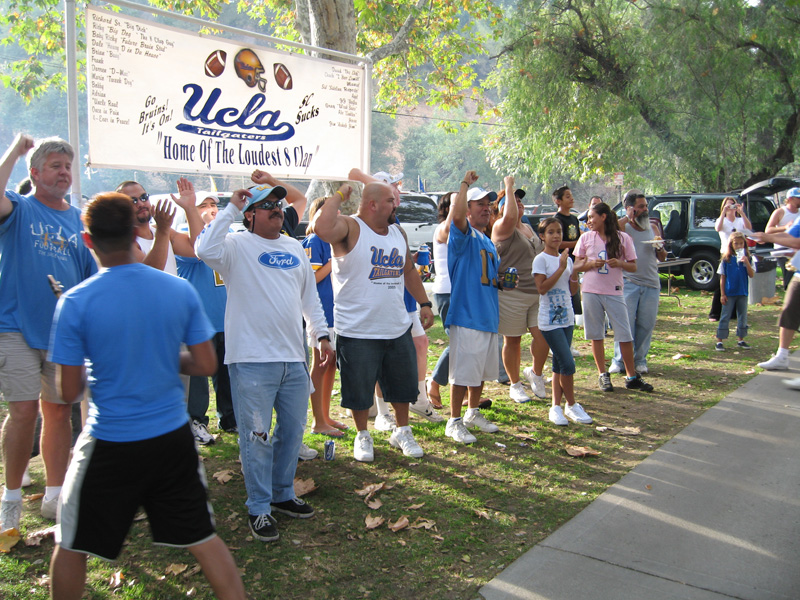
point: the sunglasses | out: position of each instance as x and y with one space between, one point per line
143 198
269 205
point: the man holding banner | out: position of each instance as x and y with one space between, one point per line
39 237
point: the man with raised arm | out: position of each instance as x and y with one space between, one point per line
271 289
371 266
39 236
474 315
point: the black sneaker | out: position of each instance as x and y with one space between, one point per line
637 383
294 508
605 382
719 347
743 344
263 527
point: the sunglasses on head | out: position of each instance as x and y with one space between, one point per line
269 205
143 198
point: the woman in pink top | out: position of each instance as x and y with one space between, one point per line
603 253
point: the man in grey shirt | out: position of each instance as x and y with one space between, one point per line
642 287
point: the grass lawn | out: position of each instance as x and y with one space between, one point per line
472 509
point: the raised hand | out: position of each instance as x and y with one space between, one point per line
186 196
163 214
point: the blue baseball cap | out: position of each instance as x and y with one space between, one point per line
261 193
793 193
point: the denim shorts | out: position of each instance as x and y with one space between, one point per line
364 362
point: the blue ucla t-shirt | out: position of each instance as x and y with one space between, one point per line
472 262
319 254
130 321
209 286
37 241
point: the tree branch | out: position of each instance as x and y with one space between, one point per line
400 41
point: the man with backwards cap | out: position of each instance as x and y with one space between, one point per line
789 321
270 285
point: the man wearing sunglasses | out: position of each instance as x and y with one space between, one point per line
158 251
39 236
271 288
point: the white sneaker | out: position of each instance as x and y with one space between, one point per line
403 438
385 422
614 368
557 416
307 453
642 369
518 394
474 418
458 431
575 353
201 435
50 508
792 384
362 447
577 414
10 514
426 411
536 381
26 478
775 363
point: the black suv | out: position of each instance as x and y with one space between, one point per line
688 219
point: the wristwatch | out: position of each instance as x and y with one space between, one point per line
426 304
324 337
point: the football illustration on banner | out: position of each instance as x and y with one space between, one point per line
215 63
249 69
282 76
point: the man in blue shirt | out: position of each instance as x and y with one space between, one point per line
474 314
39 237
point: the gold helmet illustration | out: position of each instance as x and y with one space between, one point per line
249 69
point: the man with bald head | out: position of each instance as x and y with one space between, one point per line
370 267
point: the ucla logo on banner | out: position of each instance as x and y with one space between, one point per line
279 260
251 117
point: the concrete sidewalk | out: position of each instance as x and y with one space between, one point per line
713 514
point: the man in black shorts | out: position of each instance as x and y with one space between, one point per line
137 448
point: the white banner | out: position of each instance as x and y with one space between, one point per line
163 99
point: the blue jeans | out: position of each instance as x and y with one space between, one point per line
442 368
642 303
269 462
560 342
739 303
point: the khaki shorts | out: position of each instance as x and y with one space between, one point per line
519 312
473 356
25 372
790 315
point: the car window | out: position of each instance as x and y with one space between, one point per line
672 214
706 212
759 212
416 209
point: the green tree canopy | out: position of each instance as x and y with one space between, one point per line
680 92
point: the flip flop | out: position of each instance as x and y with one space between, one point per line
484 403
340 426
329 432
435 399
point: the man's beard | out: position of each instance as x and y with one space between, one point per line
643 221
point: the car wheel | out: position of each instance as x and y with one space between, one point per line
701 273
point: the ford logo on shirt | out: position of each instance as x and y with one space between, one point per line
279 260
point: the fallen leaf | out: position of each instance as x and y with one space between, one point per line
466 558
193 571
438 538
581 451
374 503
8 539
116 579
416 506
373 522
648 487
176 569
401 523
680 356
499 445
35 538
749 371
371 489
224 476
304 486
439 341
622 430
421 523
482 513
